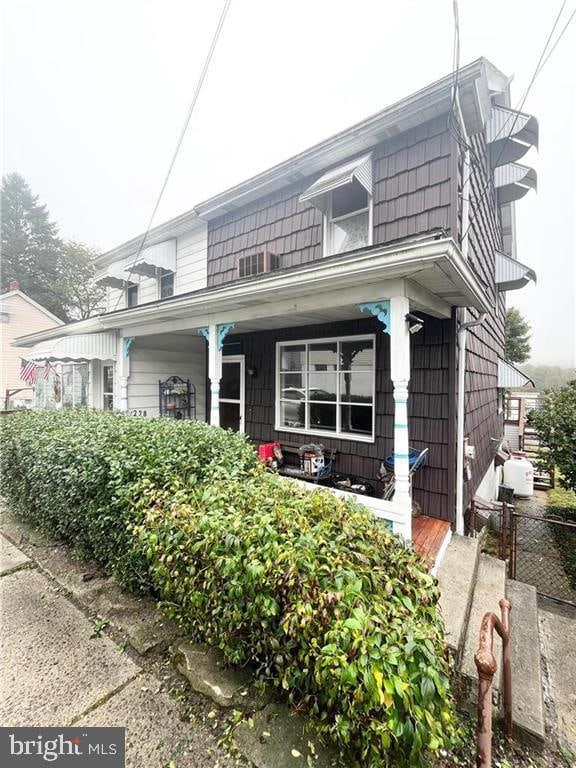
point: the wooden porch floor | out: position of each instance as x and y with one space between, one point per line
428 536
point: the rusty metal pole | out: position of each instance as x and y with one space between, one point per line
507 666
487 666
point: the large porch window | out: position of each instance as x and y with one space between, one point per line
326 387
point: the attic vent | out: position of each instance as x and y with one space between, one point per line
257 263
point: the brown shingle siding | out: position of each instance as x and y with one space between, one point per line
412 194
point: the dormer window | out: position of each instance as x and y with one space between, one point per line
166 284
344 195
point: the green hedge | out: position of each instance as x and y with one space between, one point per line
323 600
561 504
77 474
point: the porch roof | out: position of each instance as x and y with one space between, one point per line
429 270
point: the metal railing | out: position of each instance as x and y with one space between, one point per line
486 665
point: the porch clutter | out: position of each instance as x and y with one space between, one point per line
311 591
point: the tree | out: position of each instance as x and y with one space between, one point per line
517 343
555 423
31 249
79 295
56 274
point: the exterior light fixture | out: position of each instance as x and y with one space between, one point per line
415 323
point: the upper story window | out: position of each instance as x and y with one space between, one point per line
166 283
327 387
132 296
344 195
4 316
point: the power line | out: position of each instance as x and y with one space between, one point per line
199 85
539 67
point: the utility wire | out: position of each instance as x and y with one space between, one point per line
199 85
539 67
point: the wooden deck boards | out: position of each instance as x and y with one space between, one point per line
428 534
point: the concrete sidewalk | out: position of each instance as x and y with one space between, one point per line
55 672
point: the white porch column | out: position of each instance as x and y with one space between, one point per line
400 373
392 314
215 335
123 370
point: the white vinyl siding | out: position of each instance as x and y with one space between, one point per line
191 261
191 272
153 360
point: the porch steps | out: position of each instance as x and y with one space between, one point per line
456 579
527 704
471 585
490 588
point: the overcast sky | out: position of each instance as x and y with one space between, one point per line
95 93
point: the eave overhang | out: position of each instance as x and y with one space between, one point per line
431 267
512 274
476 82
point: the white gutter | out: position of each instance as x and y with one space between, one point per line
462 334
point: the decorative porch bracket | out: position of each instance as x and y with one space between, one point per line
205 331
380 310
127 342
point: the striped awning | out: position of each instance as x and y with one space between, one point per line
113 276
88 346
512 274
509 377
510 134
356 170
513 181
149 260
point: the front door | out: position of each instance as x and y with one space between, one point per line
232 393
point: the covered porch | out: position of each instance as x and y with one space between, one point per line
326 352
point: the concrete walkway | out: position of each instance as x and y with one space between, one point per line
55 672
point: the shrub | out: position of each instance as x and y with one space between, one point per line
312 591
320 597
77 474
561 504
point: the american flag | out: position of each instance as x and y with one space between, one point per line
28 371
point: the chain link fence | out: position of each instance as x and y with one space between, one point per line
542 552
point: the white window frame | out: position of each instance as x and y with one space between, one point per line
159 283
105 392
242 401
328 221
126 292
327 434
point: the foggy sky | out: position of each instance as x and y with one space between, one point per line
95 94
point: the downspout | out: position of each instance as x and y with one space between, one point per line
462 334
463 328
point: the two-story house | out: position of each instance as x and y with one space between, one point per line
353 295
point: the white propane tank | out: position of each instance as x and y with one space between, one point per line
519 473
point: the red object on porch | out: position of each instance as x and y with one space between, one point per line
266 451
